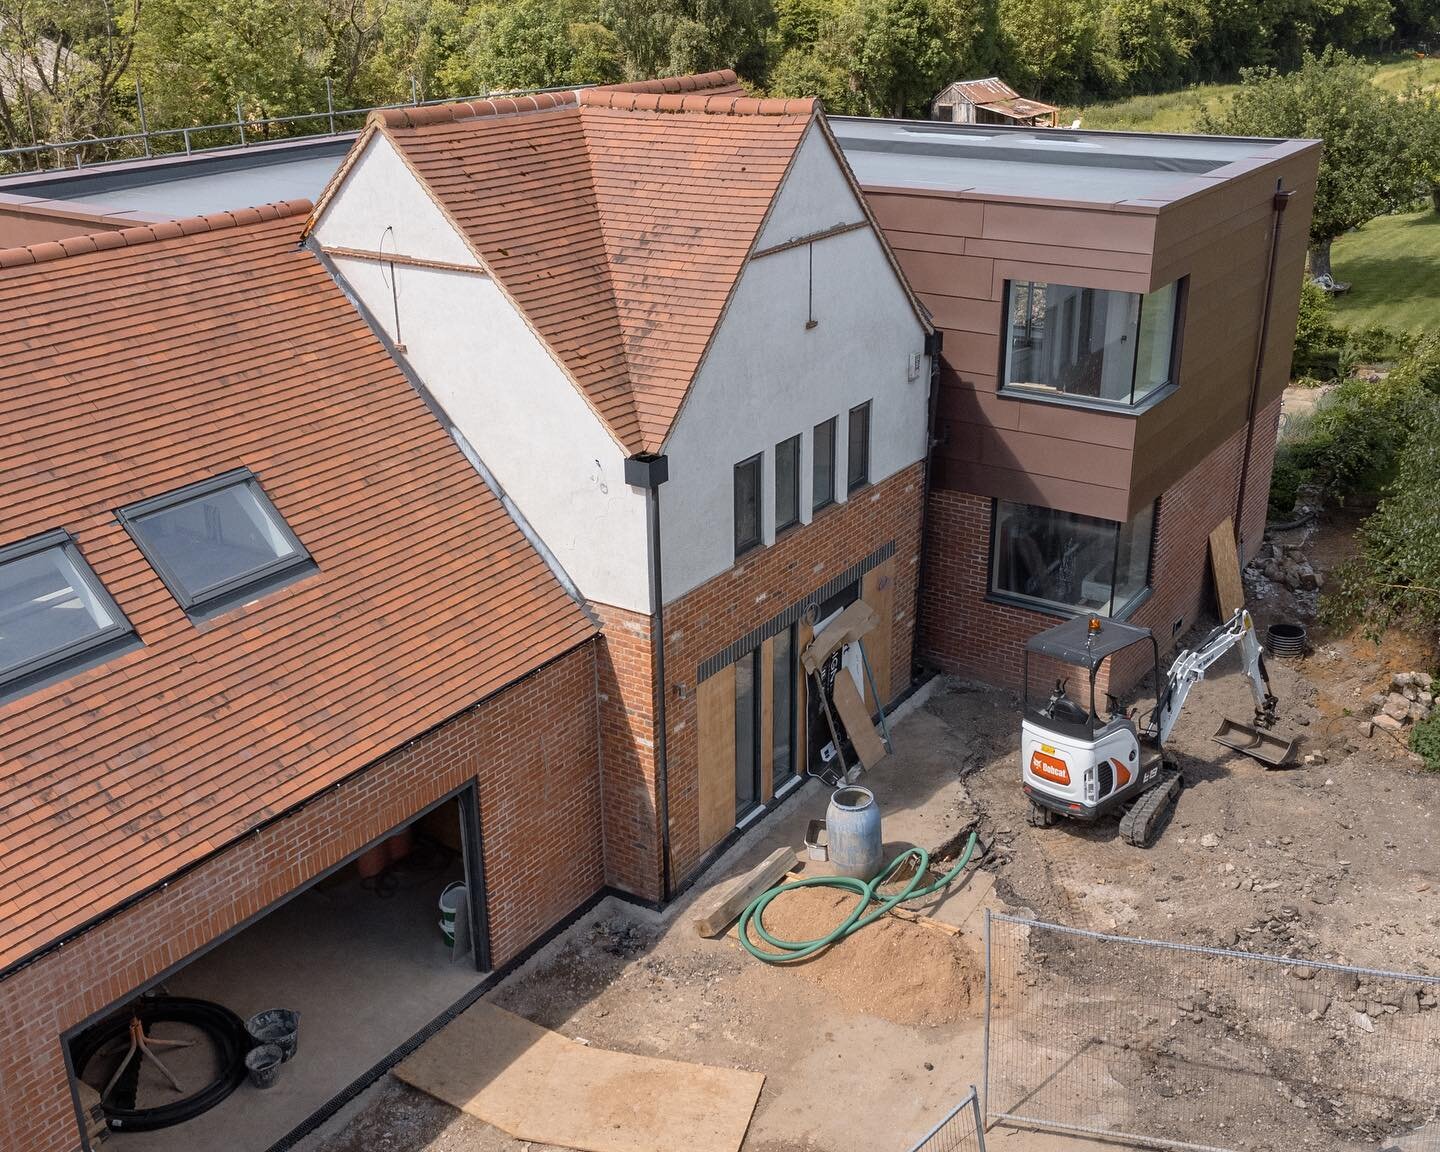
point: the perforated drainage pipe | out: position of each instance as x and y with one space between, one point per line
1286 641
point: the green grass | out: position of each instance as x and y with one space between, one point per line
1393 266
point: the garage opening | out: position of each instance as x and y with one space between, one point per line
364 958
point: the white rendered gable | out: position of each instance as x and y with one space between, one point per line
815 196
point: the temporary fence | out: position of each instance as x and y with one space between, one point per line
1171 1045
960 1131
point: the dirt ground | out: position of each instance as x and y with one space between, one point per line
1335 860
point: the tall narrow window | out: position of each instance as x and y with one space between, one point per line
787 483
783 706
53 610
822 471
857 474
747 505
215 541
747 733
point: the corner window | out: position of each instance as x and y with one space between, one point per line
787 483
215 541
1090 343
747 505
857 473
53 610
822 466
1059 560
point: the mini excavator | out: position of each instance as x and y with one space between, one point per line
1079 764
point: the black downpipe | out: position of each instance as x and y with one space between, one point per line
649 472
1280 202
934 342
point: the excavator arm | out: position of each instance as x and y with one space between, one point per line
1191 665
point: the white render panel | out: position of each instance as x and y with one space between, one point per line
814 197
381 194
767 377
524 417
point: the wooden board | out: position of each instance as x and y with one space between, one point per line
715 706
767 718
1225 567
879 592
721 907
539 1086
857 620
863 737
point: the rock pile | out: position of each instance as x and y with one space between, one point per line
1411 698
1286 564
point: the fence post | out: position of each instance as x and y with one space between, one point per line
330 105
144 127
186 133
977 1118
240 118
414 91
985 1048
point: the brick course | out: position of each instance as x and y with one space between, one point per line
532 750
964 633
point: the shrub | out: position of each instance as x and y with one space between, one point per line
1425 741
1356 433
1318 339
1286 479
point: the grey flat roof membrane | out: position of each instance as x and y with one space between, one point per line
1051 163
176 187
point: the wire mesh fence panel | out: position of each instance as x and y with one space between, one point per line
960 1131
1172 1045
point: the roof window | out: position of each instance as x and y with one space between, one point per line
216 542
54 612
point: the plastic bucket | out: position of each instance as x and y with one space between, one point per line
852 826
263 1065
276 1026
451 901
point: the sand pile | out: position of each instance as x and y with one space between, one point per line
903 972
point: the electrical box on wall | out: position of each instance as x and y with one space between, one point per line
912 368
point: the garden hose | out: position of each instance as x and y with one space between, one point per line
860 916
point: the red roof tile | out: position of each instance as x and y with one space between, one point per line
135 367
619 224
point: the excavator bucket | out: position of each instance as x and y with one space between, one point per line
1266 747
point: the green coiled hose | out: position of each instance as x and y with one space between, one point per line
859 917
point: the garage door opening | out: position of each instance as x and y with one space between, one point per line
367 956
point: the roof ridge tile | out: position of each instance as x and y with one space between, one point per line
51 250
715 105
421 115
667 85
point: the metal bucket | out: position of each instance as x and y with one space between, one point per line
263 1064
277 1026
852 826
1264 746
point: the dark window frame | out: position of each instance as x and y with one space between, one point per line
833 424
749 544
1055 608
68 656
791 521
792 635
757 690
1004 388
852 483
224 592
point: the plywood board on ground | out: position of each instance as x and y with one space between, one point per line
1225 567
863 737
539 1086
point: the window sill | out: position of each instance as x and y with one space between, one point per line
1045 608
854 488
788 531
824 510
1061 400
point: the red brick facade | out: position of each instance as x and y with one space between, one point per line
963 632
532 751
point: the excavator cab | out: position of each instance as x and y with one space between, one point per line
1079 759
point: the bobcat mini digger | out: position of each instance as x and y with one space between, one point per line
1077 763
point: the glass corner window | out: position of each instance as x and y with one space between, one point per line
215 541
53 610
1089 343
1066 562
747 505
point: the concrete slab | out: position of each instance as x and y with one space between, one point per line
365 972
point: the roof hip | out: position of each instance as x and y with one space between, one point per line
726 105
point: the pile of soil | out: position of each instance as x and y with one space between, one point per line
903 972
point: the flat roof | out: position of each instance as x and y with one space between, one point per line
1049 163
173 187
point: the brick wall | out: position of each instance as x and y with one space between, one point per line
532 749
964 633
708 618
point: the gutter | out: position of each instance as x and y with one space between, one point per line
649 471
1279 203
934 345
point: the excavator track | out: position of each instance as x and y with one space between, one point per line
1148 816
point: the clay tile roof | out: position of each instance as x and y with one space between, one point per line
723 81
619 224
190 350
425 114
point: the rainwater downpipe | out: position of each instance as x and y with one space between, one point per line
1278 205
934 344
649 471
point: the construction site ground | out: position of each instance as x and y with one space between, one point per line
1334 859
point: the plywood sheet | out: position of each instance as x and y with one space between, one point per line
857 620
715 700
539 1086
879 592
863 737
1225 566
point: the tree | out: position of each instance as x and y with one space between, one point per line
1051 45
1146 45
1371 163
511 44
664 37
